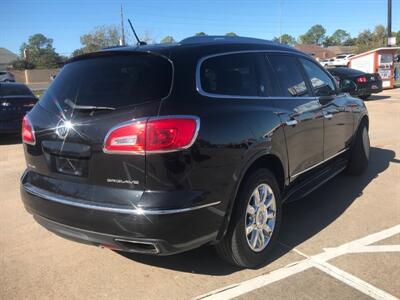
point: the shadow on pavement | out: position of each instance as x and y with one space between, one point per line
301 220
10 139
377 97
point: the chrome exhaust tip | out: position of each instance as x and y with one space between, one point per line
138 246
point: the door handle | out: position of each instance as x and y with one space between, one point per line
328 116
291 122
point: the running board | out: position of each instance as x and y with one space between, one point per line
304 188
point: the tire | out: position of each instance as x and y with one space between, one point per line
359 156
235 247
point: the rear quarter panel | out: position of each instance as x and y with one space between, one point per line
233 134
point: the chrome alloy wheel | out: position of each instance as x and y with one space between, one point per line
260 217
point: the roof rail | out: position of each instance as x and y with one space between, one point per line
222 39
113 47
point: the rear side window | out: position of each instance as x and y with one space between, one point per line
321 83
111 81
14 90
233 74
289 75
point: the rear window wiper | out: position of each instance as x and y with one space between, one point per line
86 107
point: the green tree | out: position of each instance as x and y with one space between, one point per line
40 52
167 40
22 64
286 39
78 52
364 41
380 36
368 40
100 37
315 35
338 38
201 33
350 42
397 35
231 34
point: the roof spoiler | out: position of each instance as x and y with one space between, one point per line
115 51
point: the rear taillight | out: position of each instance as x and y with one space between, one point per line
154 135
126 137
362 79
28 135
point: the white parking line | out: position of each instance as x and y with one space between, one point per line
319 261
376 249
354 281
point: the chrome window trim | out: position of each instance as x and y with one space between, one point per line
318 164
221 96
66 200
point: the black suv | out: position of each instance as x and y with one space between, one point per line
161 149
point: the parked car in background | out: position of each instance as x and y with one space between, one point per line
6 76
16 99
342 60
326 63
161 149
323 61
366 84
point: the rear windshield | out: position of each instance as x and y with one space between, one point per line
345 71
14 90
110 81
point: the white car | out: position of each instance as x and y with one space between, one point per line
6 77
342 60
327 62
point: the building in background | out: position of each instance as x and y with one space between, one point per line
380 60
6 58
342 49
315 51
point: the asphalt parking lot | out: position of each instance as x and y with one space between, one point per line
341 242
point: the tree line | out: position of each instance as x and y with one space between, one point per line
38 51
366 40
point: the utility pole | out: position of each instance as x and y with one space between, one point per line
122 40
389 19
280 20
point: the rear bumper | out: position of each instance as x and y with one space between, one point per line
152 231
13 126
364 91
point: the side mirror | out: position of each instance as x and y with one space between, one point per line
347 86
